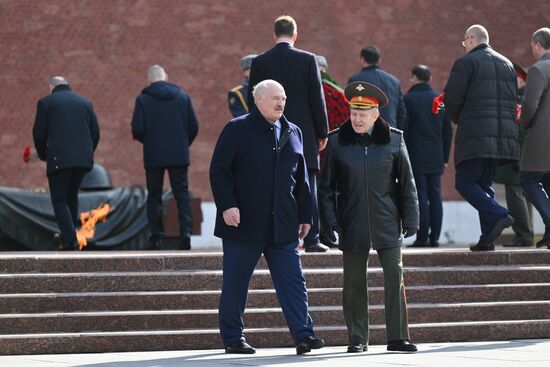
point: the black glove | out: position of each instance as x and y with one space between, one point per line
408 232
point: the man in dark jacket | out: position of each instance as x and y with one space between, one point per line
164 121
367 194
480 97
66 134
428 138
260 185
298 73
394 113
237 96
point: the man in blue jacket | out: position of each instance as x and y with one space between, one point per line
428 137
164 121
394 113
66 134
260 184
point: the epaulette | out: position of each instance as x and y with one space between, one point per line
395 130
237 88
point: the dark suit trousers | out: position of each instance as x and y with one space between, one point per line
356 299
520 210
536 186
430 206
312 236
283 260
180 190
473 180
64 185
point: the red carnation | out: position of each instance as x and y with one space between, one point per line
27 154
437 104
518 111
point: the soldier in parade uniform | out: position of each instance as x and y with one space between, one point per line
236 98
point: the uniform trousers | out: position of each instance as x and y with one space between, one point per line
356 299
283 260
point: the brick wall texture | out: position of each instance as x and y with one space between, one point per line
104 47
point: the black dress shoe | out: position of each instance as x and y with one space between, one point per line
240 347
357 348
401 346
315 247
308 343
545 241
500 226
434 244
185 243
419 244
483 246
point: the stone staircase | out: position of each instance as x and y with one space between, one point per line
137 301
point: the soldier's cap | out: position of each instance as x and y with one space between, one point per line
246 61
321 61
365 96
520 72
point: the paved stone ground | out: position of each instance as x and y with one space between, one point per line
524 353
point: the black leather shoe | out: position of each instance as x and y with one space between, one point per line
315 247
434 244
483 246
545 241
357 348
185 243
419 244
308 343
240 347
401 346
500 226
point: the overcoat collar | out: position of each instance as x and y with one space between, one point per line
61 87
380 133
421 87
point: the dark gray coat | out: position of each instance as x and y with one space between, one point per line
367 188
480 97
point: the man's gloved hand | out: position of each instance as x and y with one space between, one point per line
408 232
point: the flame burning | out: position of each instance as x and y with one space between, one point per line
89 220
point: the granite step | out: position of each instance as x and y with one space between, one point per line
258 317
211 279
55 262
166 300
103 342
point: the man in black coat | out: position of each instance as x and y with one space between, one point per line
394 113
260 185
297 71
428 137
66 134
480 97
164 121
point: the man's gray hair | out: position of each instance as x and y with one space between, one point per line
479 32
262 87
57 80
156 73
542 36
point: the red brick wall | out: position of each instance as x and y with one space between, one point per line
105 47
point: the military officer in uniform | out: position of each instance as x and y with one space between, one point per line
367 194
236 98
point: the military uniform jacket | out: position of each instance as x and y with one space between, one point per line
236 99
367 188
268 182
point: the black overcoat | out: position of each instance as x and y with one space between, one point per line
65 132
269 185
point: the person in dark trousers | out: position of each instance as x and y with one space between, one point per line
394 113
428 138
66 134
298 73
507 173
480 98
367 194
259 180
535 119
164 121
237 96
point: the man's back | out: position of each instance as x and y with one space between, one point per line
297 71
394 112
164 121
